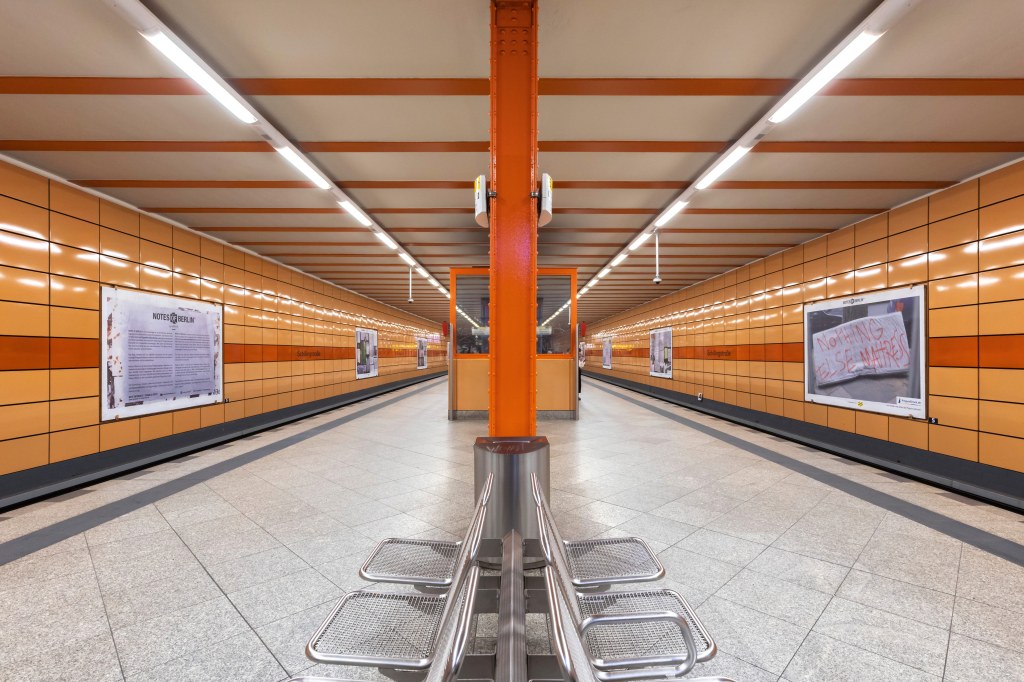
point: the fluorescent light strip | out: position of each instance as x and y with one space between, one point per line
832 69
407 258
603 273
639 241
386 240
618 259
421 271
670 213
719 168
303 166
162 42
351 209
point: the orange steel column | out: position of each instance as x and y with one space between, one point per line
513 321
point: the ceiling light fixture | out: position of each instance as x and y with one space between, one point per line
603 273
421 272
206 80
385 239
407 258
639 241
303 166
726 162
670 213
830 70
618 259
351 209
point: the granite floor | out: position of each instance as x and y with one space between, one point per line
220 565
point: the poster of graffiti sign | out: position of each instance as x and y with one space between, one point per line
661 352
867 352
366 353
421 353
606 354
159 353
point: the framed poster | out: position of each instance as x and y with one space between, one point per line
366 353
159 353
661 352
581 354
867 352
606 354
421 353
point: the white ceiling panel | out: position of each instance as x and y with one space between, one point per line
338 38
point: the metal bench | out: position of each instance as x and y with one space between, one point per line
402 630
627 635
570 651
428 563
604 561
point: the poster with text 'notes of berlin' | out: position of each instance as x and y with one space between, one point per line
159 353
867 352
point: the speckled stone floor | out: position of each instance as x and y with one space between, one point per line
219 566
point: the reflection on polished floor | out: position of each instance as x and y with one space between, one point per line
219 566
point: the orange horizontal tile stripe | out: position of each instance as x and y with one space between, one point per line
1001 352
953 351
74 353
258 352
453 146
24 352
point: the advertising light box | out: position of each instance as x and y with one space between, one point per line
867 352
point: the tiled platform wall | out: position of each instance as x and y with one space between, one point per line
738 338
289 338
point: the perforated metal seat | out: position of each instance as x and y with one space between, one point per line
601 562
381 629
430 563
615 644
419 562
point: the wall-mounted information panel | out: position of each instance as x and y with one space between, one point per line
159 353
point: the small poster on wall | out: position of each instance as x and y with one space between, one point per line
581 354
606 354
160 353
366 353
421 353
866 352
661 352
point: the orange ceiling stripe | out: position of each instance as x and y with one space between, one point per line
363 86
861 147
133 146
454 146
615 146
605 146
561 184
637 87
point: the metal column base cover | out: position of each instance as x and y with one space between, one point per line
512 460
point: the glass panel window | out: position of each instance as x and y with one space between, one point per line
472 314
554 315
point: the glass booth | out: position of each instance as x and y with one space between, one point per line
557 369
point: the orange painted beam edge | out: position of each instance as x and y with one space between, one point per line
648 87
